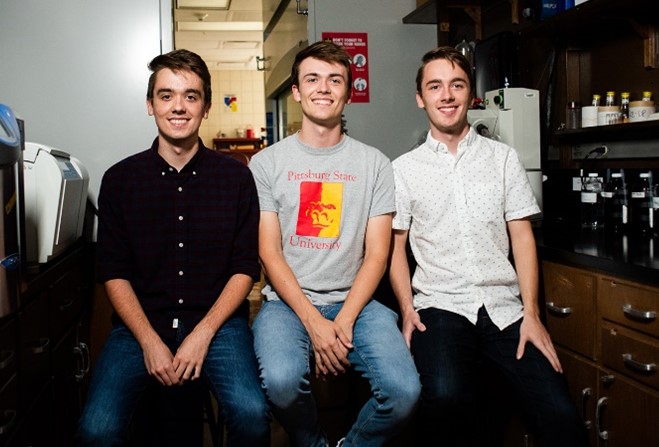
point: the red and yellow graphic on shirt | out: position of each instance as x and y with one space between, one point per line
320 209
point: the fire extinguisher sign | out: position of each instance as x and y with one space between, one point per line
356 45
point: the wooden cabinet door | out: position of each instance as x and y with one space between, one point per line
569 296
35 350
582 382
70 360
626 414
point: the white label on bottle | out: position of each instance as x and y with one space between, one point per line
576 183
607 195
655 203
639 195
624 214
588 197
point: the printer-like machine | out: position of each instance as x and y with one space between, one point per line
56 186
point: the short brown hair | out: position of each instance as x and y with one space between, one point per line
326 51
180 60
450 54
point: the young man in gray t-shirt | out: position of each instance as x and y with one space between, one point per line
326 210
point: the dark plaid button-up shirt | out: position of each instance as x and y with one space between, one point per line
177 236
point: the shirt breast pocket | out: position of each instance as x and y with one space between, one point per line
485 200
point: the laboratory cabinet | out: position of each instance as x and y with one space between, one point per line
606 332
45 355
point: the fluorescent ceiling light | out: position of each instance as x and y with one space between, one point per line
240 44
203 4
219 26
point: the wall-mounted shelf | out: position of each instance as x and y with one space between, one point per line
615 132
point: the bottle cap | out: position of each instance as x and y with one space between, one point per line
616 175
624 94
593 174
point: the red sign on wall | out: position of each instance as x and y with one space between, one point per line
356 44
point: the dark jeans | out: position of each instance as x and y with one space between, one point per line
451 356
230 370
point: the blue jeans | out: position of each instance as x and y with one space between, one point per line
230 370
451 356
380 355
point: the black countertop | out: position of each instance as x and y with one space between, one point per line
630 256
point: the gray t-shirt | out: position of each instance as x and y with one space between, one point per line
323 198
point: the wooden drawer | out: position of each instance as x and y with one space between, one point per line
8 351
631 353
8 408
569 295
632 305
67 299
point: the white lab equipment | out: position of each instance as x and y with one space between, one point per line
512 116
56 186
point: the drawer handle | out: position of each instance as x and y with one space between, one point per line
82 351
43 345
10 415
558 310
585 394
638 366
7 359
66 304
639 314
603 434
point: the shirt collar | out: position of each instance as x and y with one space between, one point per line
163 166
439 147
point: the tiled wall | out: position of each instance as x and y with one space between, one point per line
247 87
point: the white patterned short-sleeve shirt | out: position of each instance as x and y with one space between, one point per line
456 208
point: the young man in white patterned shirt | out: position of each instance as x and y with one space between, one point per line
463 201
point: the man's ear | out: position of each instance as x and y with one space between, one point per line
296 93
419 101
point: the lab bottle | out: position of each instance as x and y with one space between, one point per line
641 205
624 107
596 100
647 96
610 100
591 202
614 200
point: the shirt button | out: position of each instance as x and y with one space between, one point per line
180 301
180 217
180 244
180 273
162 173
171 169
180 189
194 172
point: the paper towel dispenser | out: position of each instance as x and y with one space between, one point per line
56 186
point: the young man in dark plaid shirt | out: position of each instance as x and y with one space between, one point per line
178 254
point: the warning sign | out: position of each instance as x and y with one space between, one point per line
356 45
